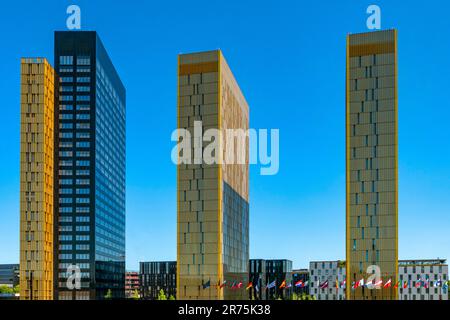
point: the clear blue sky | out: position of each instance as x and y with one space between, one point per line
289 59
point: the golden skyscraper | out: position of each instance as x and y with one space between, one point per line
371 157
212 210
36 179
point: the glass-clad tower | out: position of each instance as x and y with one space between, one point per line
213 208
371 156
90 169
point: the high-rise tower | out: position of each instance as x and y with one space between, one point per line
90 173
213 209
36 179
371 156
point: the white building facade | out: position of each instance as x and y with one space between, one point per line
323 276
424 279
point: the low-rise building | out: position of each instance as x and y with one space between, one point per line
421 279
157 275
300 276
9 274
425 279
271 279
131 284
327 280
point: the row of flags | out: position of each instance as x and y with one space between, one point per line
273 284
388 284
340 284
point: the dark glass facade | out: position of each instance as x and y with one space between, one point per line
264 272
235 241
300 275
9 274
154 276
90 168
257 275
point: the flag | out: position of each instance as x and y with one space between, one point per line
379 283
233 286
337 284
272 284
355 285
250 284
418 283
388 284
397 284
239 285
324 285
343 284
283 284
207 284
361 283
288 285
299 283
405 284
256 288
305 284
223 284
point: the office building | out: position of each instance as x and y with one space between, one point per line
212 209
279 270
9 275
303 276
36 179
271 279
156 276
425 279
90 169
327 280
371 156
131 284
257 275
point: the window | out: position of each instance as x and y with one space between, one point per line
66 79
83 98
83 172
82 181
83 79
83 163
83 89
66 88
66 98
83 116
66 125
66 135
83 135
82 210
83 125
66 60
82 228
65 181
84 144
83 60
83 107
65 219
82 219
83 191
66 107
83 200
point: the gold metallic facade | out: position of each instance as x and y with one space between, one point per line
212 237
36 179
371 158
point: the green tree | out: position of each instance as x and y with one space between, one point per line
135 295
16 289
108 295
162 295
6 290
171 297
